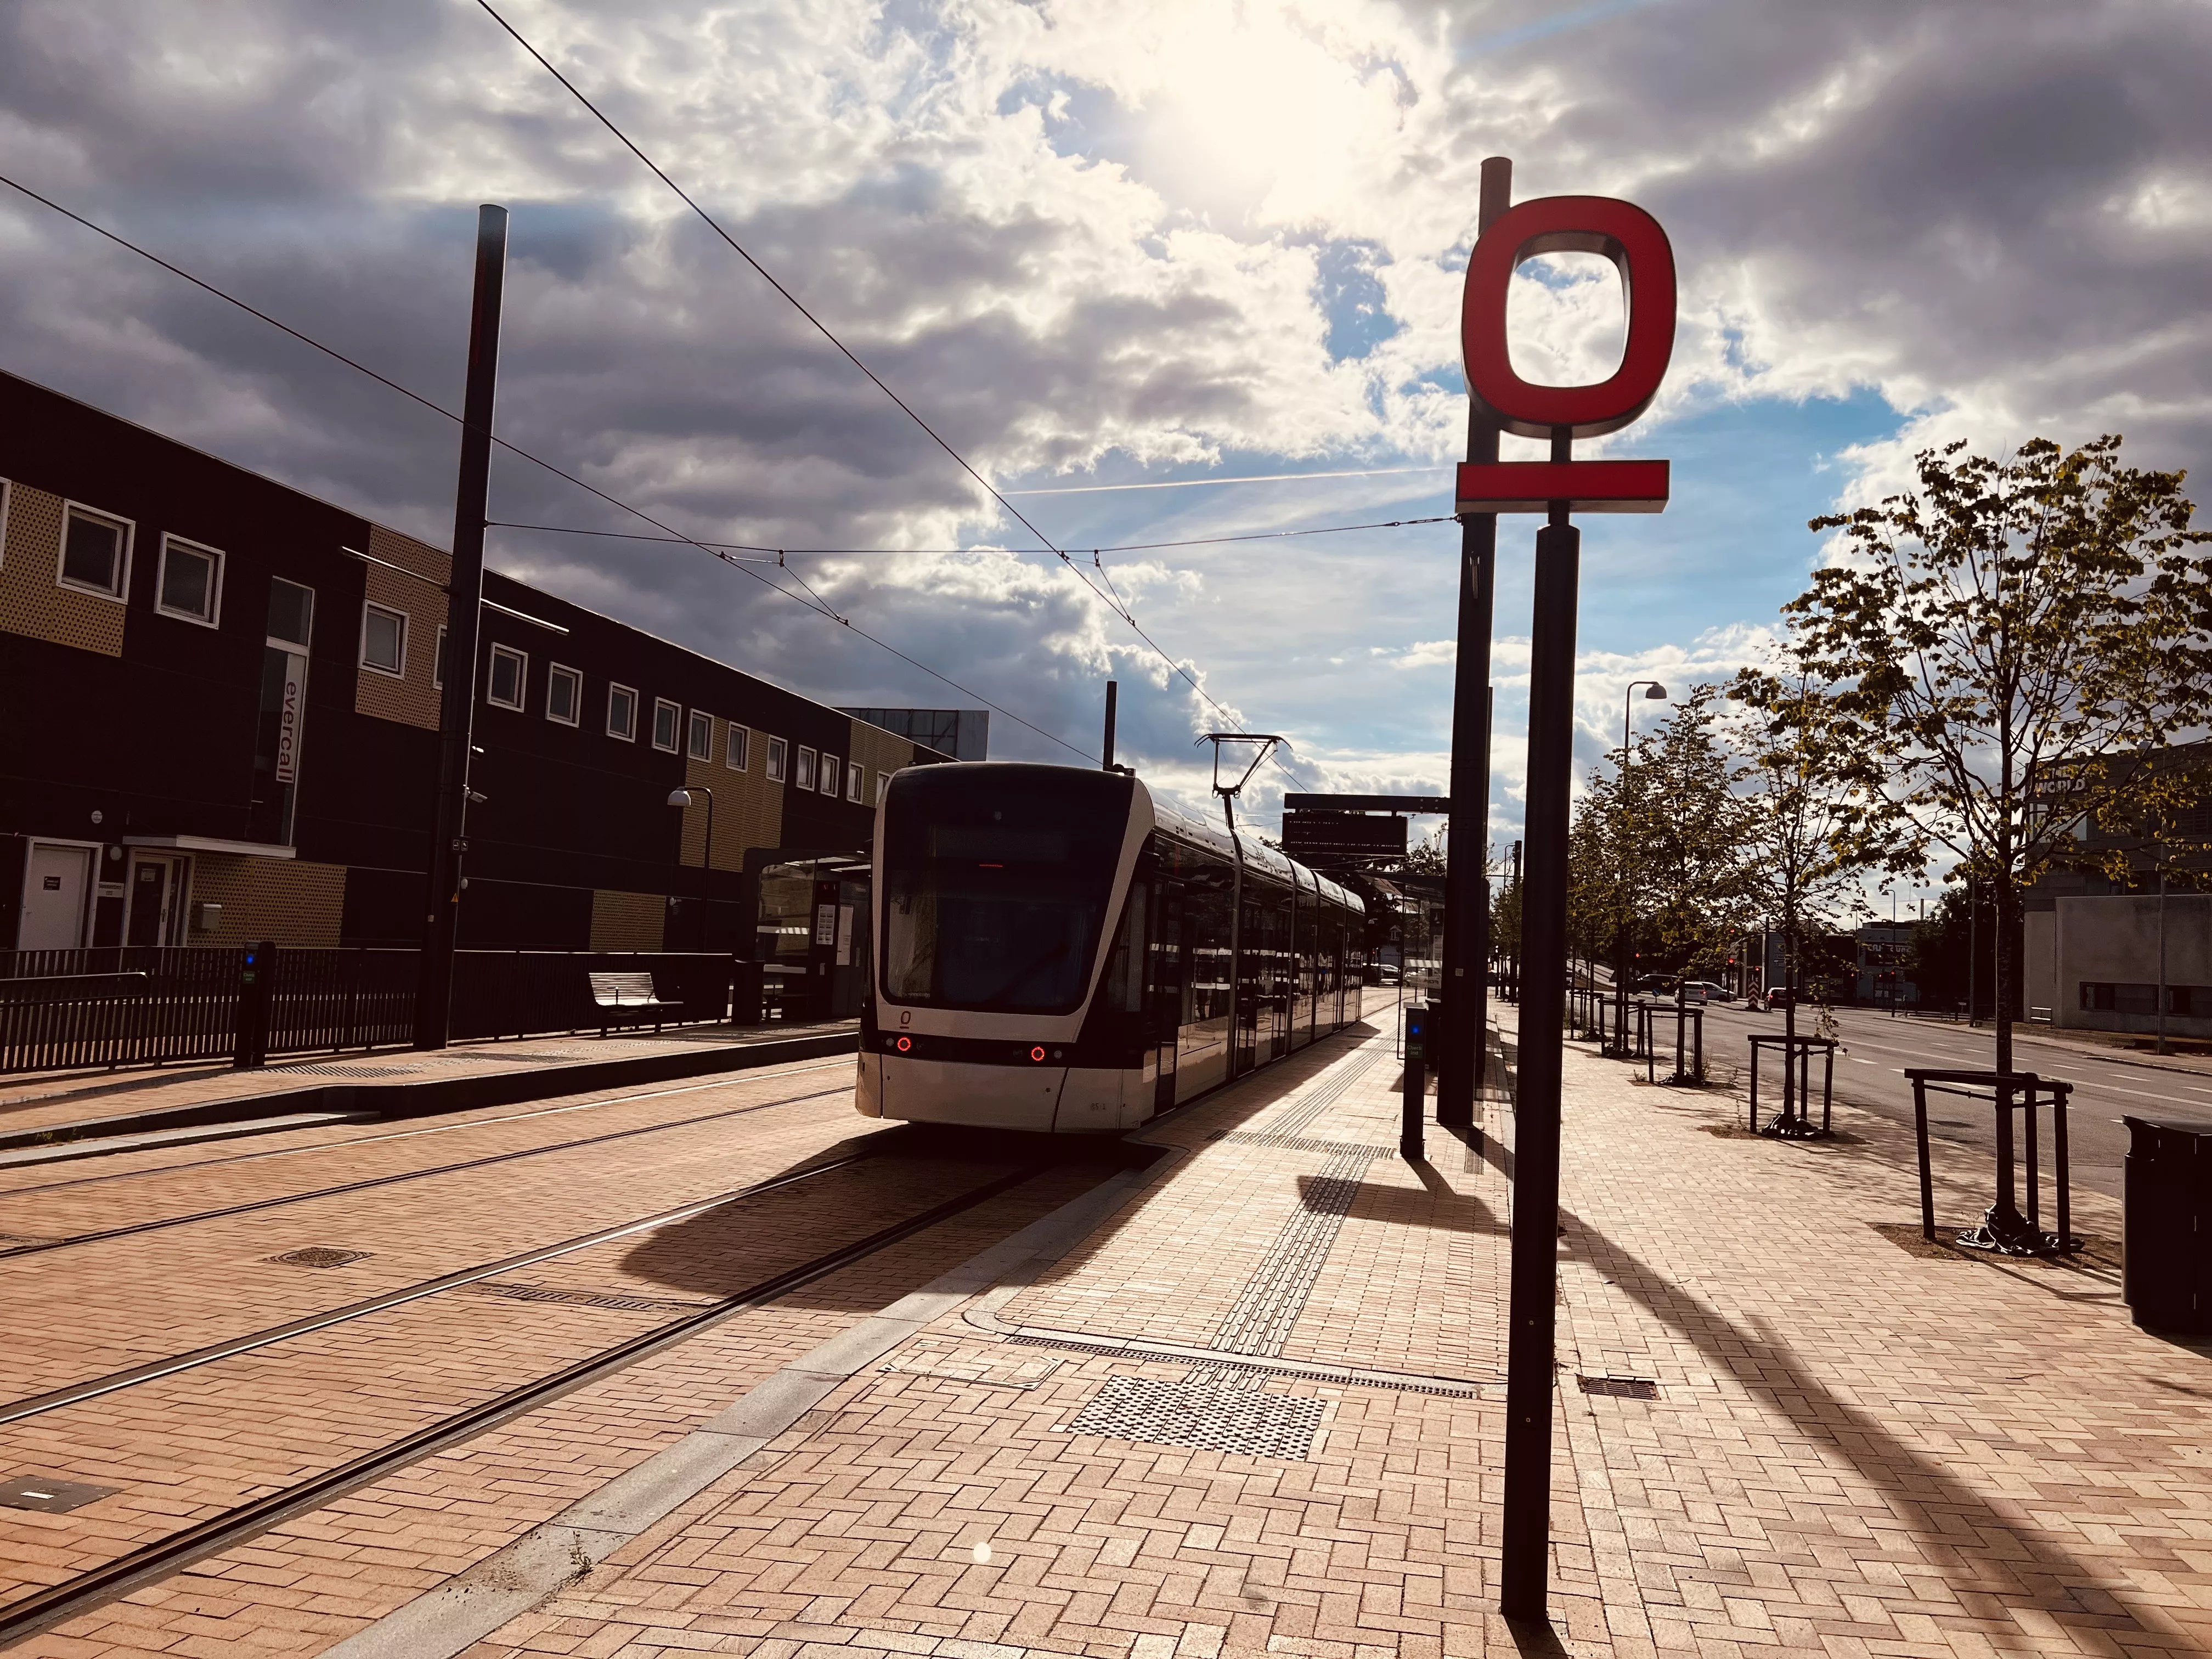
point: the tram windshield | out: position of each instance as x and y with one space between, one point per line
996 880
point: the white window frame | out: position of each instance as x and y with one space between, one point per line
831 780
130 529
438 661
675 743
883 786
856 779
630 691
740 750
368 606
779 760
805 775
6 500
555 672
700 725
522 676
214 617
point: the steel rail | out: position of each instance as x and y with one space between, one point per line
38 1405
27 1615
252 1204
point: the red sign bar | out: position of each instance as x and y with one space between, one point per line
1585 486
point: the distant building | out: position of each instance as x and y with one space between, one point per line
2090 947
222 708
962 733
1878 951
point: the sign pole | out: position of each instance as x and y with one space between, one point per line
1464 1026
433 985
1558 487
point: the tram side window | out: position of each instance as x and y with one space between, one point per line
1205 924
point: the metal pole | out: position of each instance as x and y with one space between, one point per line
434 990
1526 1537
1464 1011
1106 753
2161 952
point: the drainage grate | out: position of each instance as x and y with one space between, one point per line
1210 1418
35 1491
1622 1387
350 1071
586 1299
316 1256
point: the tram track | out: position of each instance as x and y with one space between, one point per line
129 1229
27 1615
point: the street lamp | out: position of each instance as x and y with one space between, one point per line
1654 692
683 798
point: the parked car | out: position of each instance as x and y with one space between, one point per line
1778 996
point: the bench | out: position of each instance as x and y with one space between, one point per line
623 996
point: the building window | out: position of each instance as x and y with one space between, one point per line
438 662
96 552
832 775
2106 998
189 586
805 767
383 639
856 776
699 737
291 613
777 753
621 713
740 746
509 673
664 716
882 782
564 695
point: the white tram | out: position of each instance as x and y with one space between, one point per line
1056 950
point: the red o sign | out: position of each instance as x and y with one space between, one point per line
1623 234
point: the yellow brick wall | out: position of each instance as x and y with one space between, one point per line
31 600
748 808
295 903
413 699
629 922
880 751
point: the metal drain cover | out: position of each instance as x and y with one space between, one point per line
316 1256
34 1491
1213 1418
1623 1388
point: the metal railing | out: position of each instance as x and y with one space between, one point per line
127 1005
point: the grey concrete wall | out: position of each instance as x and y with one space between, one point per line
2115 938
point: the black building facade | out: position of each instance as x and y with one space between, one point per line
221 703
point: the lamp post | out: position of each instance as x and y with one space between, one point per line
1655 692
683 798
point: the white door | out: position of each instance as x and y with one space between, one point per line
53 898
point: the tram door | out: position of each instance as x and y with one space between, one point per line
1165 1002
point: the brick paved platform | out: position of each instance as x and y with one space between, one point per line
1854 1448
1258 1410
119 1099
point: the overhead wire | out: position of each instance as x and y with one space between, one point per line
854 552
818 605
827 333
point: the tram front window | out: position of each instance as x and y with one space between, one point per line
996 891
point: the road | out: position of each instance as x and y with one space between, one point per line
1877 1049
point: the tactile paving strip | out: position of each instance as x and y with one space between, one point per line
1261 1319
1302 1112
1213 1418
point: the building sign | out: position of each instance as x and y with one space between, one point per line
290 706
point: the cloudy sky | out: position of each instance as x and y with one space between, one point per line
1119 244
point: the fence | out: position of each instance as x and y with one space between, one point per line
139 1005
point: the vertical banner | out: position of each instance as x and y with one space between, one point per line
290 706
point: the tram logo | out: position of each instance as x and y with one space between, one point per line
1638 248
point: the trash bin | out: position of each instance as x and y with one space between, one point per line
2168 1273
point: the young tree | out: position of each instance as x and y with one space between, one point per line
1807 847
2010 623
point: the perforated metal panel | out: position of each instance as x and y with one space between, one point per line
1204 1415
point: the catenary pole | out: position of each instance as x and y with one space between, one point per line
433 994
1461 1032
1106 748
